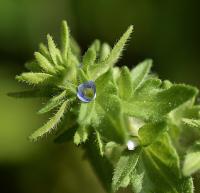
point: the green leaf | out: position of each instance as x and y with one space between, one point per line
192 160
32 66
44 63
54 52
105 51
161 166
102 67
65 40
86 113
76 50
81 135
124 168
136 181
44 51
110 124
53 102
89 58
150 132
51 124
192 122
99 143
103 80
140 72
151 102
125 84
35 78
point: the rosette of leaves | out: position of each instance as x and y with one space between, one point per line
162 118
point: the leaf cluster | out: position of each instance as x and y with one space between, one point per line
130 105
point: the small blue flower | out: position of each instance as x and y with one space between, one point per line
87 91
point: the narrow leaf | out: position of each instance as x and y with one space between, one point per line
34 78
137 181
51 124
125 84
44 63
100 68
99 143
65 40
81 135
54 52
89 58
192 122
105 51
53 102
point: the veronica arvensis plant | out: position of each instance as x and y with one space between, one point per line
132 125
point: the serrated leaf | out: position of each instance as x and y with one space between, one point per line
150 132
50 125
101 67
53 102
161 166
151 102
44 63
192 122
124 167
35 78
65 40
192 160
125 84
105 51
81 135
140 72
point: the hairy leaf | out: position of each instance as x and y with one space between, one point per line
65 40
100 68
50 125
125 84
35 78
192 160
53 102
192 122
81 135
151 102
124 168
150 132
44 63
140 72
105 51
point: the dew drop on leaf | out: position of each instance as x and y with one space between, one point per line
86 91
131 145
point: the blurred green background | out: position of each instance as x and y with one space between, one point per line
167 31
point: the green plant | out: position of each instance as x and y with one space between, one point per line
136 129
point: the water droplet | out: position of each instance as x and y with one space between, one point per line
87 91
131 145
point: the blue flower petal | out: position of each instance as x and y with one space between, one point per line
87 91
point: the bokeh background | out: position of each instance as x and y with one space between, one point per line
166 31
